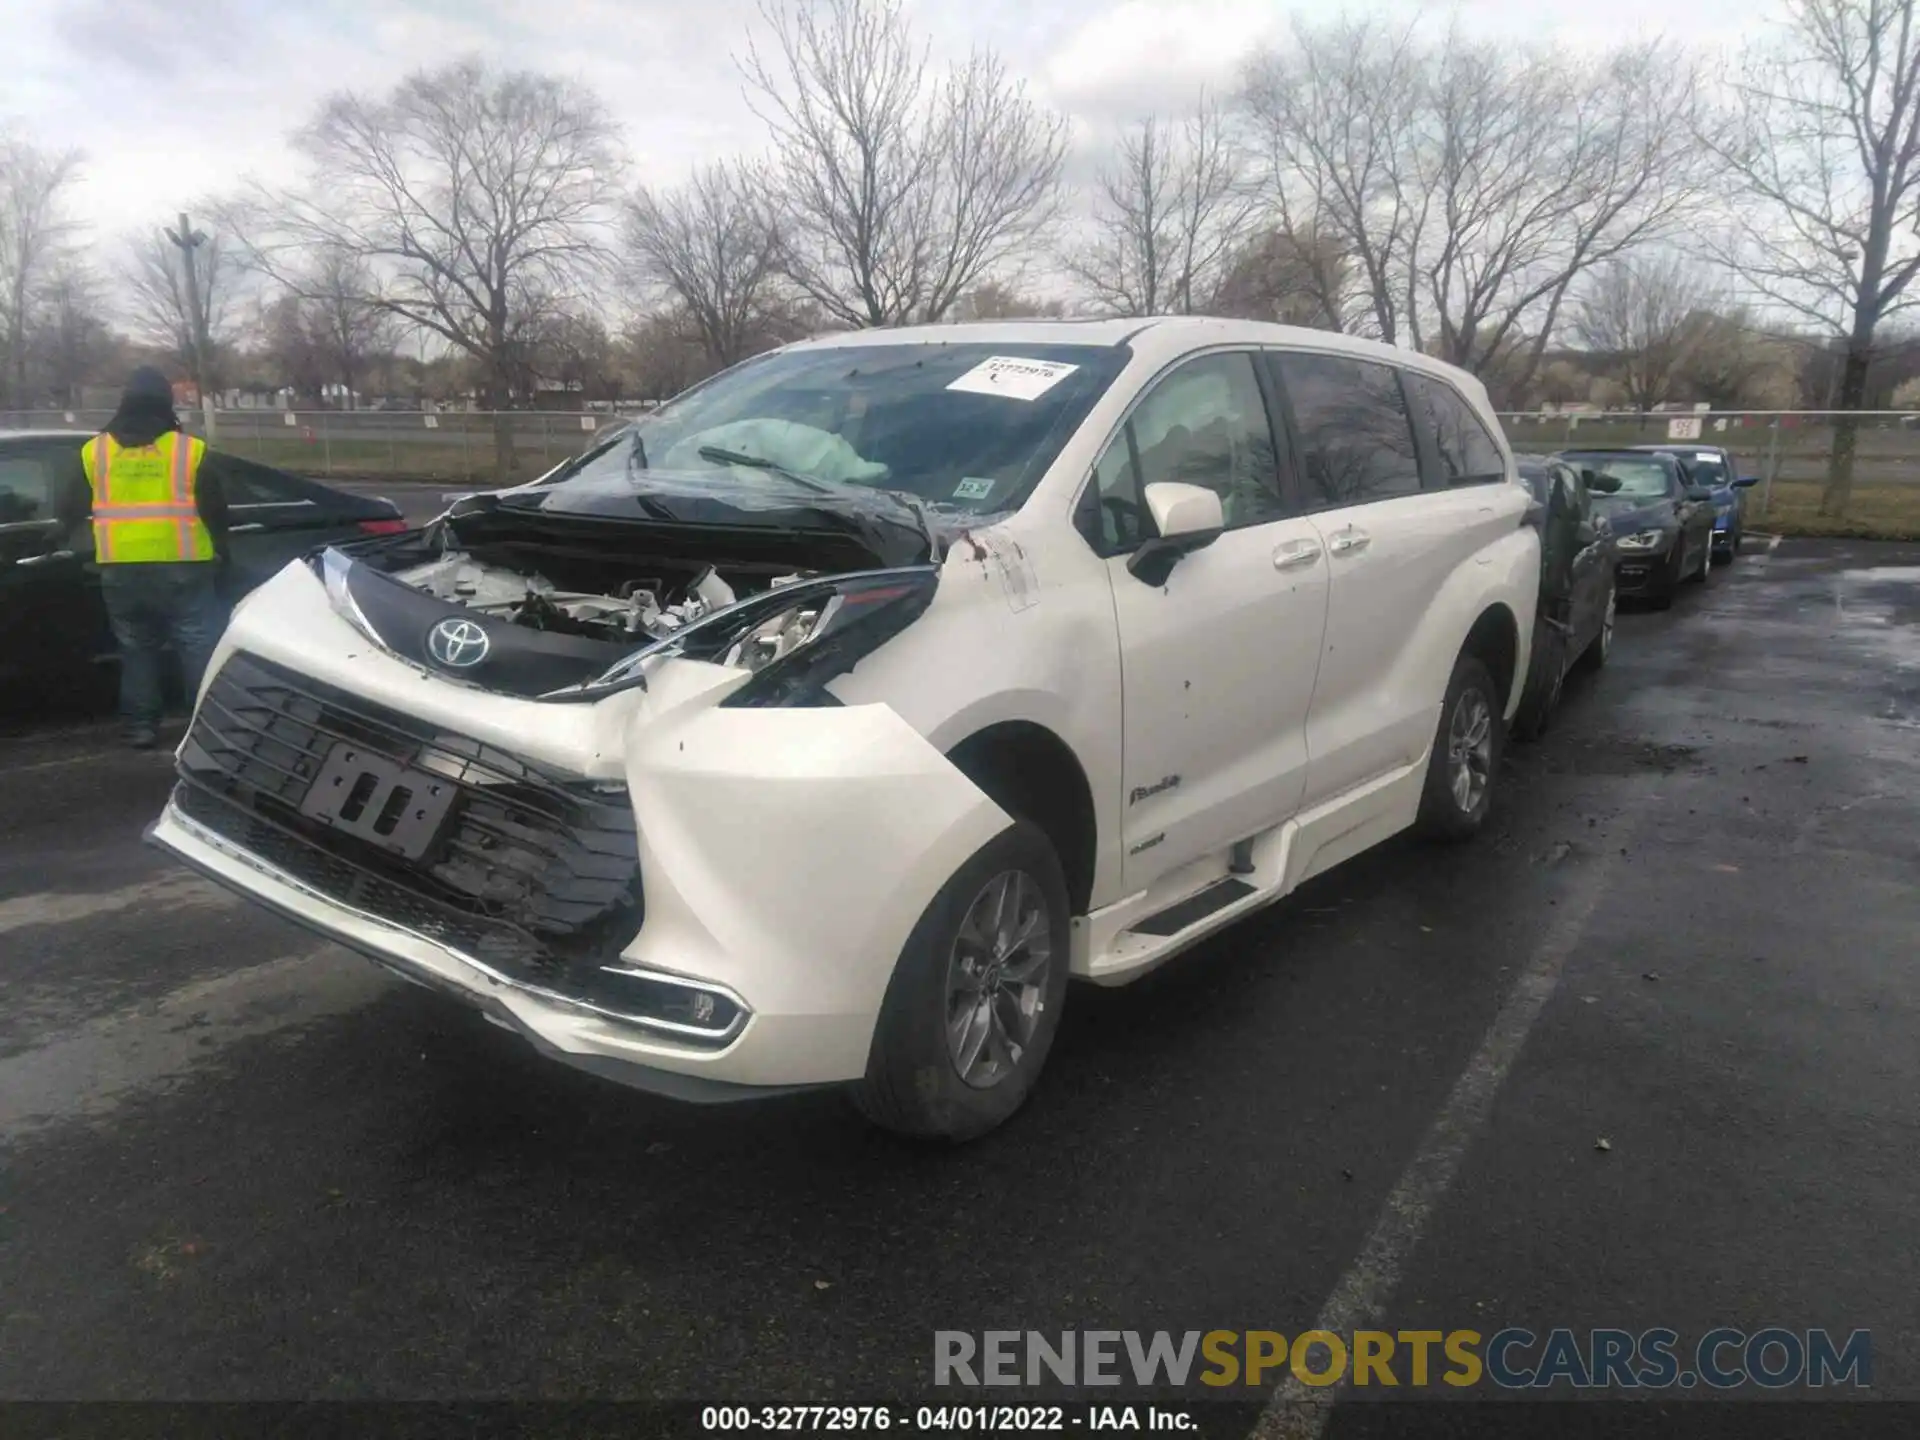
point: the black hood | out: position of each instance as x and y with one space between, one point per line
891 530
145 412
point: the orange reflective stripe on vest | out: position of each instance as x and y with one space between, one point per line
145 507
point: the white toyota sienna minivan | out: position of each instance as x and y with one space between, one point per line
818 727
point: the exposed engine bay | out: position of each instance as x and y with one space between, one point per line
637 610
565 601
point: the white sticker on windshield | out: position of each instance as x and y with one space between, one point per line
1013 377
973 488
1705 455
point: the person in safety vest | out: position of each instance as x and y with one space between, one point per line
158 508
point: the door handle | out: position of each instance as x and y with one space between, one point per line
1296 553
246 529
1349 542
46 559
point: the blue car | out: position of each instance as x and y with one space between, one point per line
1712 467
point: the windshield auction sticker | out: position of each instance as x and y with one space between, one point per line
1013 377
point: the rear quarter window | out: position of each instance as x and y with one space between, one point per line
1465 453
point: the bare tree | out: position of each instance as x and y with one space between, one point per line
345 325
665 354
1826 154
285 353
1003 300
1123 268
1169 210
35 233
710 244
1337 116
1288 277
1641 318
70 343
1539 173
1733 362
164 303
477 201
576 350
897 191
1473 186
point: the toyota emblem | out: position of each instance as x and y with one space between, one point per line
458 644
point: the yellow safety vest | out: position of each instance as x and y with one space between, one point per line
144 505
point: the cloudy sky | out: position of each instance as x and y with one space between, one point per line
174 99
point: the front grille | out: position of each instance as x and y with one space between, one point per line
535 873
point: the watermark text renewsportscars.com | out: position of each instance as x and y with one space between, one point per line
1773 1357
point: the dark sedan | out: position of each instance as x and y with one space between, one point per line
1712 467
53 625
1662 523
1573 626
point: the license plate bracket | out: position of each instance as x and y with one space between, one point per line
379 801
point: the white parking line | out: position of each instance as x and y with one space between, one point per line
89 1070
1300 1412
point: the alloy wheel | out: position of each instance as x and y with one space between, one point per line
1606 622
1470 749
997 977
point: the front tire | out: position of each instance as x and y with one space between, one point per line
1706 562
975 999
1466 755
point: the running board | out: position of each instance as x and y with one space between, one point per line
1192 910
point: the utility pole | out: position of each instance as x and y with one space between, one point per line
188 240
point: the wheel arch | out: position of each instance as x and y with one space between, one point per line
1494 637
1029 771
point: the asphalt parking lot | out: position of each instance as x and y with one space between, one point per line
239 1164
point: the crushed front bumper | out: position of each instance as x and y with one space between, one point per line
562 1027
782 856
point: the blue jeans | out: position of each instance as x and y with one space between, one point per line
151 607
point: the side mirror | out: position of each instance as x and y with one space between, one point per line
1698 492
1188 518
1585 533
1746 482
1600 484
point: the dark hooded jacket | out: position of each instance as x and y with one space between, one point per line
145 413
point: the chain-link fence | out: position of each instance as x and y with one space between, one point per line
1789 451
455 446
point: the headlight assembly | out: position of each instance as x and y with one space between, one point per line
1642 540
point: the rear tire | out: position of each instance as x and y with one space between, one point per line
1470 738
968 1019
